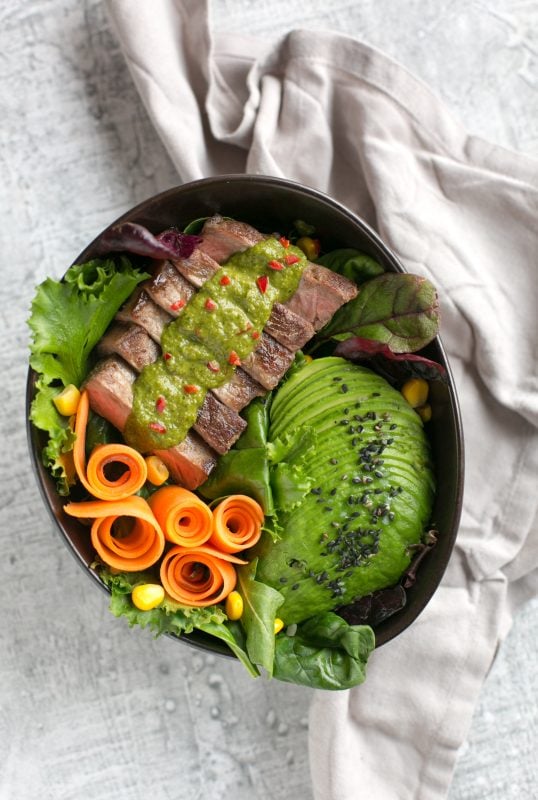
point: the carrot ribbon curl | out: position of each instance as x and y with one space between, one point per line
93 476
184 518
237 524
198 576
135 548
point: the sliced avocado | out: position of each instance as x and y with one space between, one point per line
372 489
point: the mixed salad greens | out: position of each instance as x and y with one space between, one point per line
336 538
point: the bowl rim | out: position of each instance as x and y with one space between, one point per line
399 621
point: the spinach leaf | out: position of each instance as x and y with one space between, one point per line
400 310
353 264
232 634
261 603
241 472
325 653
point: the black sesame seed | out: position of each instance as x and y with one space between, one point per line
354 442
378 491
344 388
393 426
332 492
295 586
328 508
317 490
346 410
356 479
283 579
378 474
344 422
336 379
376 394
357 417
360 428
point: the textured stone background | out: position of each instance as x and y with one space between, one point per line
88 709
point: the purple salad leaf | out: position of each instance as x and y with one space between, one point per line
133 238
396 368
375 607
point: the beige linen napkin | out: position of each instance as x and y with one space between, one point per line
333 113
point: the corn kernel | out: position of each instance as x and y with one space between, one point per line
147 596
415 391
234 606
309 246
425 412
157 470
67 401
278 625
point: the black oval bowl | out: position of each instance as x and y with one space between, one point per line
271 204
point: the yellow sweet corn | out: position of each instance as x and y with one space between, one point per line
234 606
278 625
309 246
425 412
415 391
157 470
67 401
147 596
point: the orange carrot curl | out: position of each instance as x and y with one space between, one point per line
125 534
184 518
198 576
237 524
93 476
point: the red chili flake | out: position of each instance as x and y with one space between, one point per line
244 330
210 304
234 359
214 366
262 282
289 258
284 242
225 280
160 404
167 356
191 388
256 335
158 427
177 305
275 265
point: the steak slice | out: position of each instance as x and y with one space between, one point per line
189 462
110 391
221 238
269 362
289 328
131 343
239 390
218 424
168 289
141 310
197 268
320 293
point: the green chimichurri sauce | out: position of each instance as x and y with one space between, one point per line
218 328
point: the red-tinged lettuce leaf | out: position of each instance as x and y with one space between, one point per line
133 238
400 310
394 367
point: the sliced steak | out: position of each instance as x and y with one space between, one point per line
221 238
218 424
168 289
110 391
131 343
197 268
320 293
289 328
239 391
190 462
141 310
269 362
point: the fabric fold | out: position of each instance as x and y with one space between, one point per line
338 115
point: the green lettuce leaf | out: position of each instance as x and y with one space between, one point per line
353 264
324 653
68 318
260 604
400 310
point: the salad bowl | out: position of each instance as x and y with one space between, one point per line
272 204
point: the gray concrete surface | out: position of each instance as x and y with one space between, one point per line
90 710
